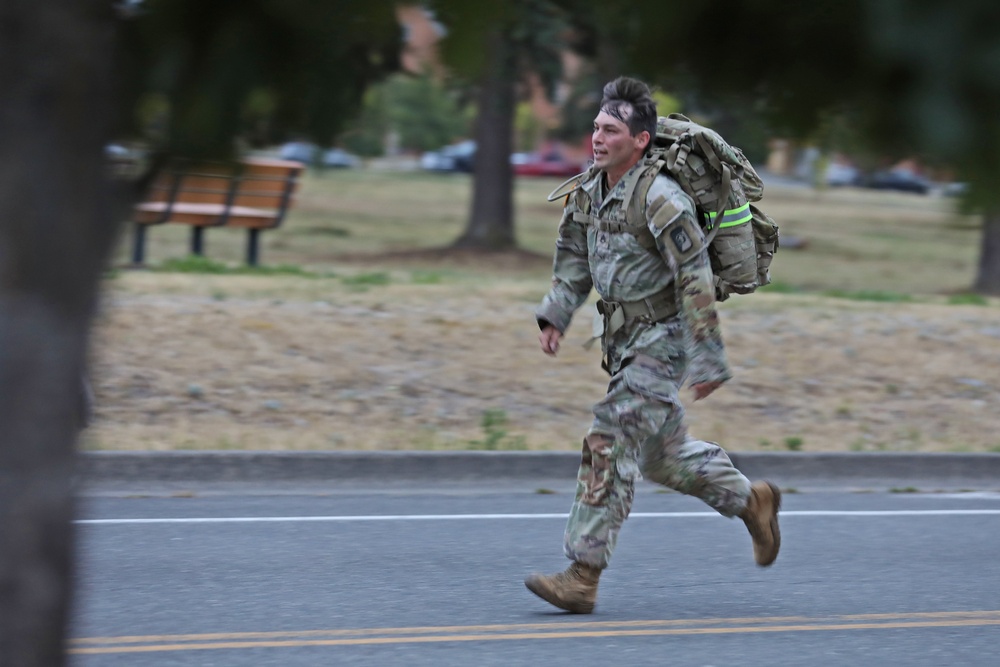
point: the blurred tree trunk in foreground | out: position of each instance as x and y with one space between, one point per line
55 232
73 74
988 277
491 220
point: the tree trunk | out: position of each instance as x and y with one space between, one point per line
988 279
491 221
55 232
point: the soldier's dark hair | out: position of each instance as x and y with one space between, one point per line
625 94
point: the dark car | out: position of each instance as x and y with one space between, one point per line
548 164
902 180
456 157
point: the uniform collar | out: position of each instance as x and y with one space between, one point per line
595 187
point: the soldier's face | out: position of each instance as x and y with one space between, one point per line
614 147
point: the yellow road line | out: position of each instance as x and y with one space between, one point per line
366 636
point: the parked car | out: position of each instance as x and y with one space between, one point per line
455 157
548 164
337 158
903 180
298 151
312 155
842 175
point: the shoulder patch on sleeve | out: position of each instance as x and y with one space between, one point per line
664 215
662 212
665 201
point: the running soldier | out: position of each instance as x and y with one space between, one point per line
660 328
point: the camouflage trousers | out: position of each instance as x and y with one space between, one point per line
638 431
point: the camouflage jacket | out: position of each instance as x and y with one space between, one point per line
621 269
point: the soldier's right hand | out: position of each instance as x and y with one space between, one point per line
549 339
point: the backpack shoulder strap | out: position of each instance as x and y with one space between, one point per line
570 185
635 210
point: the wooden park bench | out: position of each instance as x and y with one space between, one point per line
254 194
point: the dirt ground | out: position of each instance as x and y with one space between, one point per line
192 361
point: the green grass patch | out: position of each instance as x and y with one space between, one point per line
869 295
336 232
376 279
968 300
199 264
495 435
794 443
427 278
780 287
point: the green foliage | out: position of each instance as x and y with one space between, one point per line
495 435
904 489
366 135
534 31
421 112
666 104
580 106
424 113
906 78
195 76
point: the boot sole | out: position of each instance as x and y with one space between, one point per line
555 602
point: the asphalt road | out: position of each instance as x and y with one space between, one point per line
404 577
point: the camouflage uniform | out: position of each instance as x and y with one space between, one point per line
638 428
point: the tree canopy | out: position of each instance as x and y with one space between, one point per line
910 77
195 76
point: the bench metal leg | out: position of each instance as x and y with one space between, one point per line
197 240
139 244
253 242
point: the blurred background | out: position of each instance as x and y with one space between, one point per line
386 300
392 306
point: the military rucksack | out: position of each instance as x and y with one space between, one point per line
741 238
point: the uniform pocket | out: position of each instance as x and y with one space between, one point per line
650 378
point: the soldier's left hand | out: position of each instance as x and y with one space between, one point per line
703 389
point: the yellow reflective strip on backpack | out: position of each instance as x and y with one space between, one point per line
745 218
731 217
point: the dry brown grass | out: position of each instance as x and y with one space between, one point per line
381 348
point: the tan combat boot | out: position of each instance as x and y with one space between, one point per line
574 590
761 518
